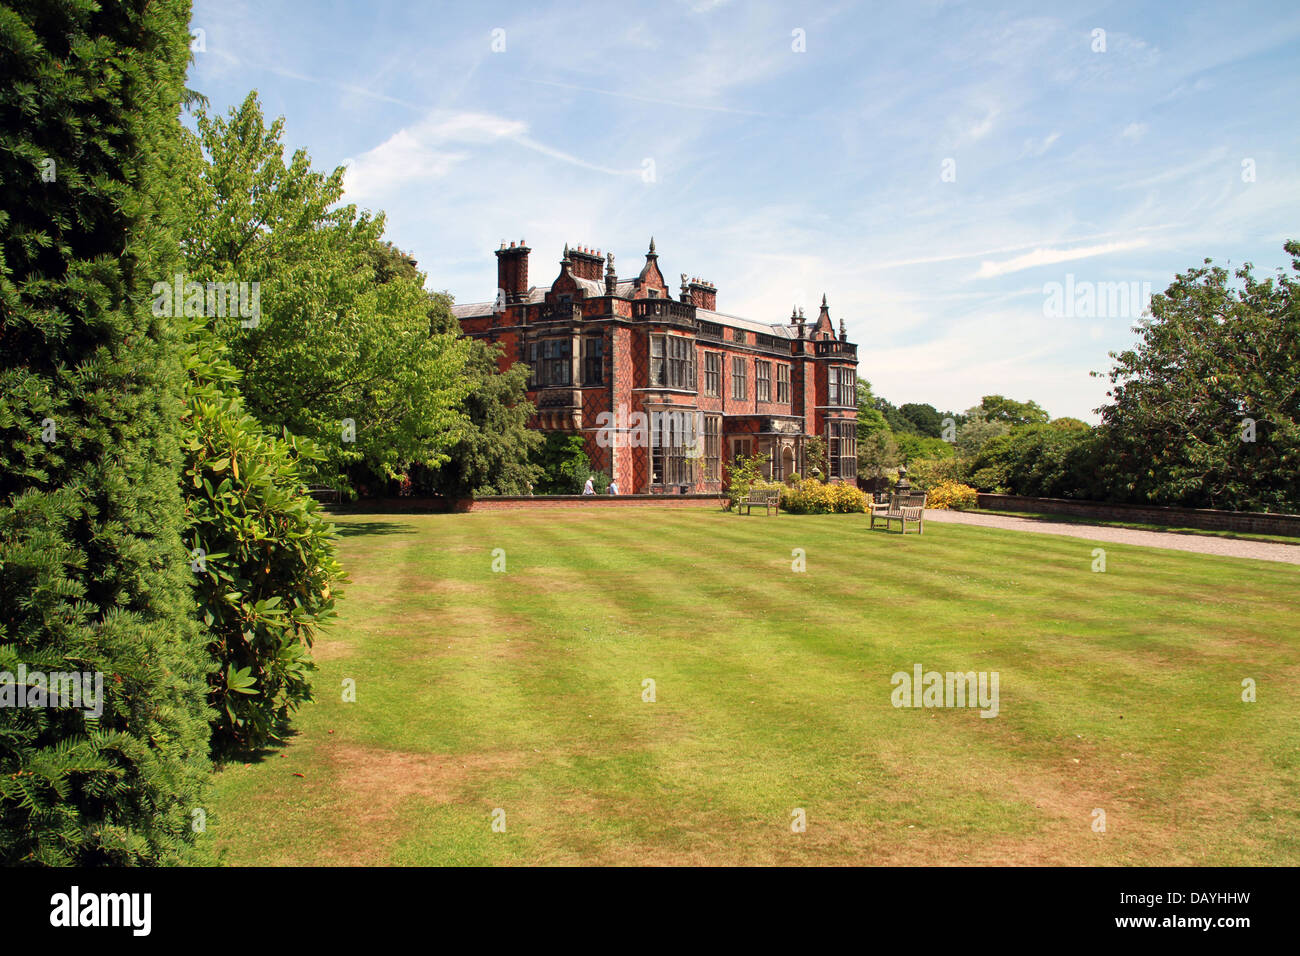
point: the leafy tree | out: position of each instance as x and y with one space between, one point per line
497 452
742 475
977 431
870 419
913 446
878 455
898 422
1205 410
925 419
1041 461
264 558
563 464
341 352
1070 423
814 457
996 408
94 575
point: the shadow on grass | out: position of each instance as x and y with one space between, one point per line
257 754
352 529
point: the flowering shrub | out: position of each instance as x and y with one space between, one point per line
812 497
927 474
846 499
952 495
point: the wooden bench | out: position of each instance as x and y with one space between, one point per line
901 508
325 495
770 500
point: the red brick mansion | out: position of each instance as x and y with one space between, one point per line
668 391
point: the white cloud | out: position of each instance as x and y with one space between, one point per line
423 152
1037 147
1134 131
1045 257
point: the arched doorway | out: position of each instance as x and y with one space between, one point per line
787 461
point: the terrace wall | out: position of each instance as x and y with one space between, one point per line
1204 518
524 502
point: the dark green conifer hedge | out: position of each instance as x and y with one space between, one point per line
94 575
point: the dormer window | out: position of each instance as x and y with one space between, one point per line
654 293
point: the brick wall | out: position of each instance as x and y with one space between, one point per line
524 502
1203 518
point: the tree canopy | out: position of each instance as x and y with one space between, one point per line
341 350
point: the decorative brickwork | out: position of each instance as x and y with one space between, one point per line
653 371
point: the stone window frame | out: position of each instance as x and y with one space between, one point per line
669 370
713 374
783 383
762 381
739 375
593 359
546 357
842 449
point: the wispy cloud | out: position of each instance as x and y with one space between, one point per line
1045 257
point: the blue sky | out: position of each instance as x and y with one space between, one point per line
930 167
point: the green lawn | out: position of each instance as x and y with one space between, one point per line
522 691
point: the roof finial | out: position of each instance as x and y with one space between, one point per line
844 333
652 246
823 300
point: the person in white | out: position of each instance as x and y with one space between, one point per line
613 488
587 489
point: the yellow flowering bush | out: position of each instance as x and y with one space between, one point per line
952 495
813 497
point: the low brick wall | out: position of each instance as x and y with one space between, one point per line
531 502
1204 518
521 502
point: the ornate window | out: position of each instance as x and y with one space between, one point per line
738 387
783 384
763 381
551 361
672 362
593 360
843 386
842 449
713 445
713 374
672 440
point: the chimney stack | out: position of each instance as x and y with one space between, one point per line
586 262
512 271
704 295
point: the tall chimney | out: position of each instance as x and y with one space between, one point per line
586 262
704 295
512 271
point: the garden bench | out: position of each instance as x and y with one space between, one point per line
324 495
901 508
770 500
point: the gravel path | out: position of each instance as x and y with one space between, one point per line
1200 543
